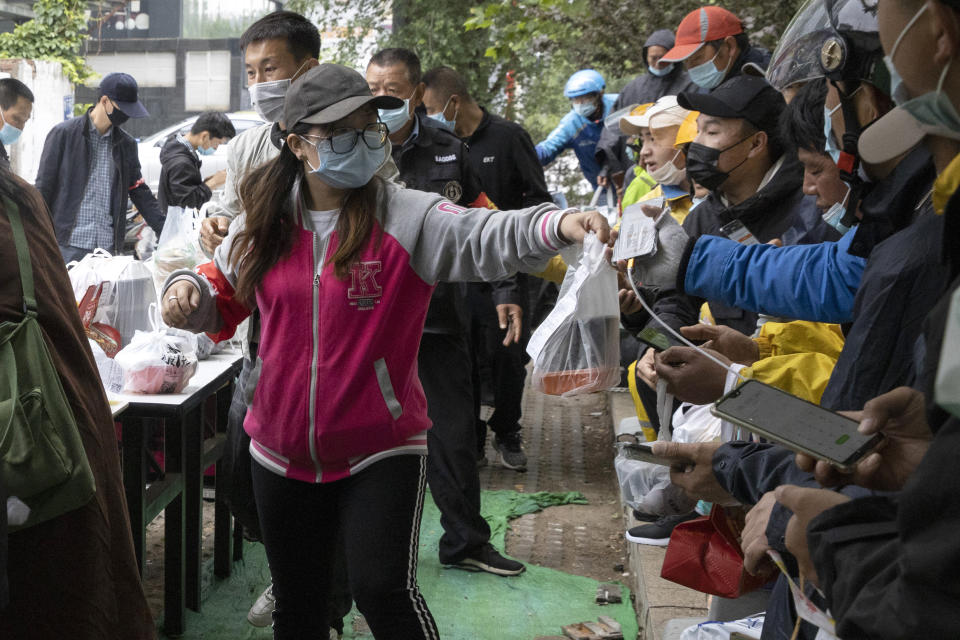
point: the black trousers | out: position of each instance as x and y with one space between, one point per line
444 368
376 514
507 364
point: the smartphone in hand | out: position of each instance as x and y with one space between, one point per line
796 424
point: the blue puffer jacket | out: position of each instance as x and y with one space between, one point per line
581 134
815 282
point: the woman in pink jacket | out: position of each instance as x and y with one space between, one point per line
341 265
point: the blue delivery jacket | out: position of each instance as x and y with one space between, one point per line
823 278
580 134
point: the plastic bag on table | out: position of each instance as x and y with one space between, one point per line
179 244
114 293
158 361
576 349
111 373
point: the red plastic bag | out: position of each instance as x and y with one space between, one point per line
705 555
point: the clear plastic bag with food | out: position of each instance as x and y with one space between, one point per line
179 244
158 361
577 347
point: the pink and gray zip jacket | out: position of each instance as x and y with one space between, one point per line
338 385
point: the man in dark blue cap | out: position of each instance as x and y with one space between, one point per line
90 167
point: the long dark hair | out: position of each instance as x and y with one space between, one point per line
271 226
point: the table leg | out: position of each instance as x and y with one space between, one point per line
237 541
193 501
173 562
134 482
221 518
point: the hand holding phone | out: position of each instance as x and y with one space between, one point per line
798 425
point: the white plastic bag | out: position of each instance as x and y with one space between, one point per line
179 244
158 361
646 487
751 627
118 291
577 347
111 373
609 208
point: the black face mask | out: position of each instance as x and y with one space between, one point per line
117 117
702 164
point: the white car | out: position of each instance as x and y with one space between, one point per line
150 146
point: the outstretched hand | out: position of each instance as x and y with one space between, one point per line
575 227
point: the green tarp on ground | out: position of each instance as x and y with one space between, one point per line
466 606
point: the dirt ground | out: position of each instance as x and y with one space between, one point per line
569 443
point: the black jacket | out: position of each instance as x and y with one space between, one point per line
646 87
63 172
4 158
435 160
181 184
889 565
503 157
778 210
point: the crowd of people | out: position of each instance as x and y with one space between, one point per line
807 238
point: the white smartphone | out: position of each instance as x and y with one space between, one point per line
795 423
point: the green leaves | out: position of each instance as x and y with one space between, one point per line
56 33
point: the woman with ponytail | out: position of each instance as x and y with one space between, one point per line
341 265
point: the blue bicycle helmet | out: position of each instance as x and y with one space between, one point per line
583 82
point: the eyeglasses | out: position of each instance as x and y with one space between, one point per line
344 140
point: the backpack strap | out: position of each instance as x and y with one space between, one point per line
23 256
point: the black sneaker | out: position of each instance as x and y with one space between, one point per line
512 455
488 559
658 533
642 516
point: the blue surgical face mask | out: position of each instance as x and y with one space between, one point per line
707 75
349 170
830 146
584 109
695 202
9 133
898 91
449 125
661 72
835 214
396 118
206 151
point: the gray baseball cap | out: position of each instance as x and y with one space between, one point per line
327 93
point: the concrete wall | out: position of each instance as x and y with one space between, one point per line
53 102
177 77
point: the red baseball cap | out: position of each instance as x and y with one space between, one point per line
701 26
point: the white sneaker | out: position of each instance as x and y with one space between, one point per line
261 613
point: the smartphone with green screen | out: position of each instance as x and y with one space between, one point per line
796 424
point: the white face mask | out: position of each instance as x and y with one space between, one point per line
268 98
669 173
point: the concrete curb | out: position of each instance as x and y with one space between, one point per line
657 600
